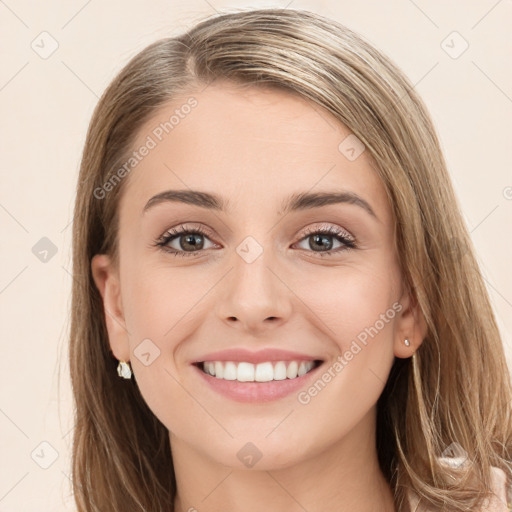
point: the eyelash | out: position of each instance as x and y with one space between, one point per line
173 233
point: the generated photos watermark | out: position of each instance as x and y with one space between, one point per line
157 135
357 345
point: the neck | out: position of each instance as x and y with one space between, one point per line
344 478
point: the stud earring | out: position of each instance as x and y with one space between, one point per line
124 370
407 343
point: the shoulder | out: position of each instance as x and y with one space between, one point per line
502 489
500 501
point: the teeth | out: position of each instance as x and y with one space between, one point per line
292 370
262 372
230 371
219 370
280 371
245 372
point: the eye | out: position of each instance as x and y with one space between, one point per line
190 241
320 240
187 241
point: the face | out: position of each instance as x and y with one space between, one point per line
263 302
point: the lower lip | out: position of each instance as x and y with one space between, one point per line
256 391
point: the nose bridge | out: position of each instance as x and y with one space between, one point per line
252 280
254 292
251 276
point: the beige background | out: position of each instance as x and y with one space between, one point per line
46 104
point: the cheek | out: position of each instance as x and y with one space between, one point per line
159 302
358 312
356 309
162 309
352 303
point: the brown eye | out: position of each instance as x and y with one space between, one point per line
327 241
180 241
321 242
190 242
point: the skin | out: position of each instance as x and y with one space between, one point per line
255 147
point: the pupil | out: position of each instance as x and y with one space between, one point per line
194 241
322 239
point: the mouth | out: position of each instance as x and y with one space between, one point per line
243 375
260 377
267 371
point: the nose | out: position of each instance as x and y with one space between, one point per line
255 296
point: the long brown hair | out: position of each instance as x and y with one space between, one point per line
457 387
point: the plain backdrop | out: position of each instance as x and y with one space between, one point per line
56 60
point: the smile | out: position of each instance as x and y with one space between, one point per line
261 372
256 382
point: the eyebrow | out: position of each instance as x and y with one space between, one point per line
299 201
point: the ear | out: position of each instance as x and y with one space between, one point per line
411 325
106 278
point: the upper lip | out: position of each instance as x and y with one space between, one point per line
261 356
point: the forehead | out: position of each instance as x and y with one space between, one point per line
249 144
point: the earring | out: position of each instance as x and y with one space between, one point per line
407 343
124 370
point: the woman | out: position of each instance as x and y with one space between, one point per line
268 248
